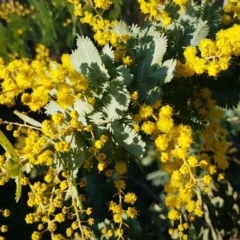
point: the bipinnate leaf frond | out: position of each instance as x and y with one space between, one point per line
128 138
160 49
87 53
171 65
201 32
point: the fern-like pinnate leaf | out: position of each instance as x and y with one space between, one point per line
212 13
107 50
160 49
171 65
87 53
201 32
121 28
124 75
116 102
83 108
128 138
52 107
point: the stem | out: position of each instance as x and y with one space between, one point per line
71 183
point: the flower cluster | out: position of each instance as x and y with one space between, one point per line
215 55
156 10
232 12
14 7
20 75
174 143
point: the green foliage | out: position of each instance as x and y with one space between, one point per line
154 51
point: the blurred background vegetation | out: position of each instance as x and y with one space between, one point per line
44 30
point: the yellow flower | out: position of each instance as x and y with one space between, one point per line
104 4
131 212
60 217
221 176
117 217
62 146
127 60
6 212
166 112
101 166
4 228
180 2
165 124
171 201
134 96
120 232
207 179
130 198
192 161
89 211
190 206
121 167
164 157
90 221
148 127
98 144
120 184
190 53
145 111
173 215
207 47
162 141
